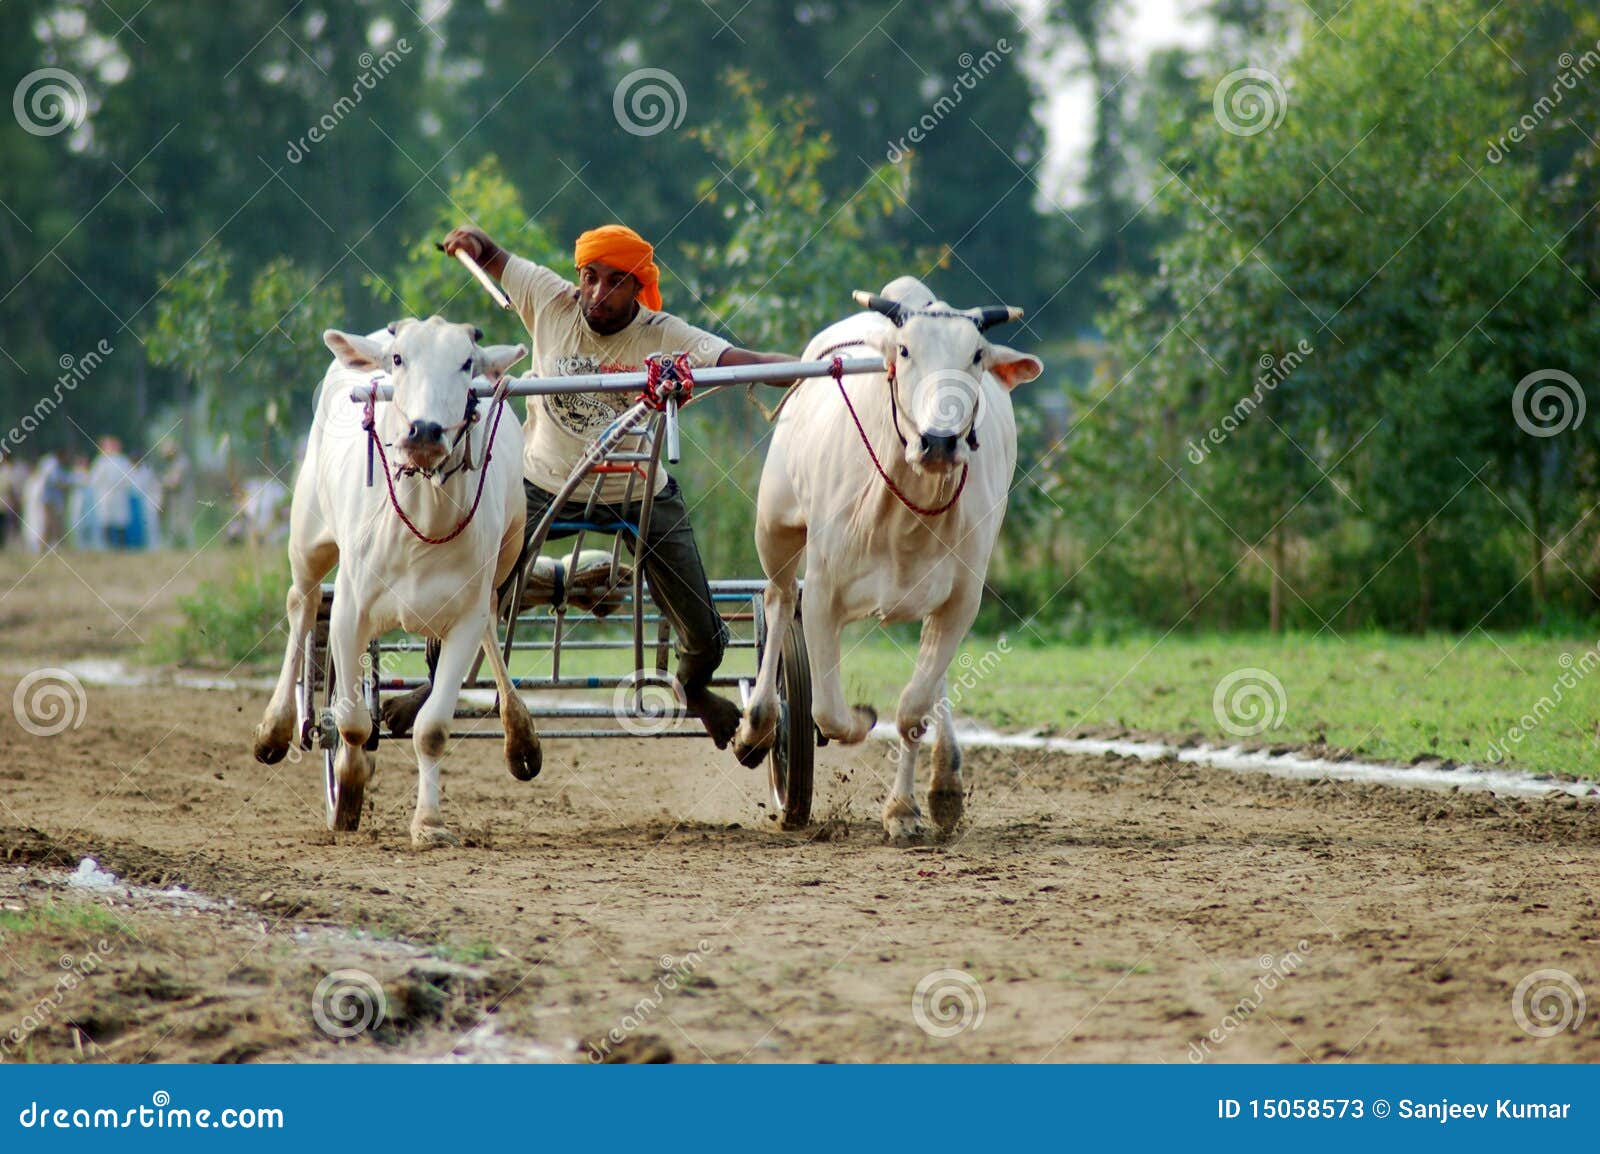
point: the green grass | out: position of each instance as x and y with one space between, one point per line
70 918
1382 697
468 954
238 620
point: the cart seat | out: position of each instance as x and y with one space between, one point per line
588 582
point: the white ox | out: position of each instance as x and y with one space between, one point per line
387 576
866 553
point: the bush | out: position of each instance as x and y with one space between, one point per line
239 620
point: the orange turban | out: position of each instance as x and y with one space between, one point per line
620 247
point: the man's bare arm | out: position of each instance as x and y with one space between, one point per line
476 243
738 356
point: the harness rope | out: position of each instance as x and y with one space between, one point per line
837 372
369 422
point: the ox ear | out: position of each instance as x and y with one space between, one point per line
496 359
1010 367
363 354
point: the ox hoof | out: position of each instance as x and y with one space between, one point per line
751 756
270 751
946 806
524 758
400 713
757 732
863 718
854 731
432 835
902 821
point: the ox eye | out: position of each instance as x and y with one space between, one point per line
977 356
905 352
467 367
397 360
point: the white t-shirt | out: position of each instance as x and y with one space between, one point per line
112 484
559 429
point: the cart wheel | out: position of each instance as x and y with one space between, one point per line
305 689
374 700
793 758
343 801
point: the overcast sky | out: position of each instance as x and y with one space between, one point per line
1144 26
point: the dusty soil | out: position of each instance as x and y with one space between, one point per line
1105 910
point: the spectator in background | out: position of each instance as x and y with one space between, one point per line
83 521
111 488
144 529
177 495
44 504
12 474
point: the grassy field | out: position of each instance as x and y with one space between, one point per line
1519 700
1382 697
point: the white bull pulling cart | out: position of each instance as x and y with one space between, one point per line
588 600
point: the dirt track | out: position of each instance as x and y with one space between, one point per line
1107 910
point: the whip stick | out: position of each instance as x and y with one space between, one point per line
483 278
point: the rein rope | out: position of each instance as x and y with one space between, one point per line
837 372
369 422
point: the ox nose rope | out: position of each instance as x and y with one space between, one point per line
369 422
837 372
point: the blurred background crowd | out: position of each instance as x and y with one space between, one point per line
113 501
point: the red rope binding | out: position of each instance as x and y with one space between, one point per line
837 370
369 423
672 369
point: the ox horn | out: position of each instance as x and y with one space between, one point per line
892 309
991 315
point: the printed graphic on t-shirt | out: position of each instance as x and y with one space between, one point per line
585 415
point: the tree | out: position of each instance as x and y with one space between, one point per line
1358 216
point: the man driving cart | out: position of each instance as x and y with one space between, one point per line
611 320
